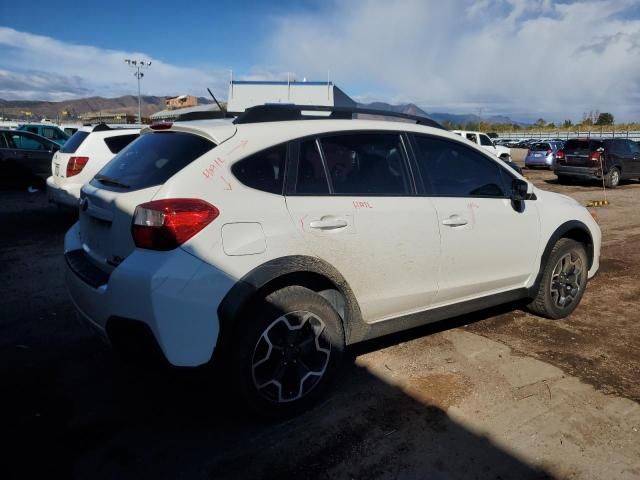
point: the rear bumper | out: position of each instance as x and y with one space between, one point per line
174 293
538 161
67 195
579 172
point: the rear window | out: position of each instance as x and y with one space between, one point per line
71 145
540 147
117 143
582 145
152 159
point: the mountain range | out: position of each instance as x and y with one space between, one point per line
412 109
151 104
52 110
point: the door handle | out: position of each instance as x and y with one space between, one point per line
328 224
455 221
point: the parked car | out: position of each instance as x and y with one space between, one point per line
485 142
611 159
542 154
271 243
86 152
51 132
24 157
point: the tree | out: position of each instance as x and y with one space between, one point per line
551 125
605 118
567 124
540 122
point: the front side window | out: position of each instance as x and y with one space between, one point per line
455 170
263 170
26 142
633 146
366 164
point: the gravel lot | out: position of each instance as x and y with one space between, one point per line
499 394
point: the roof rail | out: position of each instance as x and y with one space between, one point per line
284 112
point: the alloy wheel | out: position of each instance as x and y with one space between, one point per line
566 280
290 357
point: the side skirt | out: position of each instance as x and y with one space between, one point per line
406 322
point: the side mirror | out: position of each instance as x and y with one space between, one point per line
519 190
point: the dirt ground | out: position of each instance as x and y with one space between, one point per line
499 394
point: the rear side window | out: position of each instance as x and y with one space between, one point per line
263 170
366 164
455 170
582 145
484 140
152 159
74 142
117 143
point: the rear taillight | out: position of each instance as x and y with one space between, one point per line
560 155
595 157
161 126
75 165
167 224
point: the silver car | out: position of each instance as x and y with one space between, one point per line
542 154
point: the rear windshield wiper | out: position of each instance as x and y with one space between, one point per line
111 181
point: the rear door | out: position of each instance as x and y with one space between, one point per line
577 152
34 153
61 158
635 157
352 198
488 244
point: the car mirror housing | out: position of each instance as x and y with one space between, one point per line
519 190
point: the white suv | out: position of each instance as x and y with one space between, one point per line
485 142
81 157
274 242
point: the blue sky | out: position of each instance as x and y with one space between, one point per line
523 58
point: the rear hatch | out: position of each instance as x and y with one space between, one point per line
578 152
61 158
539 151
132 177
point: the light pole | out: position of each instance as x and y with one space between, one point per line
138 64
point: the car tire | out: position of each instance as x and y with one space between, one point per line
563 282
612 178
288 353
564 179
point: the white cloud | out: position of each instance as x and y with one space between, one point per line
520 57
40 67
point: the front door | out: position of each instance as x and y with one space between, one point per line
353 201
489 245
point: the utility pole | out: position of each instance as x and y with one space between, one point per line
138 64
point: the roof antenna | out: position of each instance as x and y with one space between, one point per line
215 100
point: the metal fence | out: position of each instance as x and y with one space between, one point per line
595 132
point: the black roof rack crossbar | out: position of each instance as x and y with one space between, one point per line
285 112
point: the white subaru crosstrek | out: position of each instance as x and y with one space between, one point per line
88 150
275 240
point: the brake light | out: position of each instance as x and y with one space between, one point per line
161 126
167 224
75 165
560 155
595 157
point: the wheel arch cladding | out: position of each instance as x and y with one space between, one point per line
305 271
573 229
